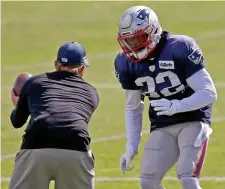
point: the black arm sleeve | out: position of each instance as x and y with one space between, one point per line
21 112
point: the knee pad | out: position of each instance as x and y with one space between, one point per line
147 183
190 183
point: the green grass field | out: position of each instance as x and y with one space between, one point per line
31 35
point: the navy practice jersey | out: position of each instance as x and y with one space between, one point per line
177 58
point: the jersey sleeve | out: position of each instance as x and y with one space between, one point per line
124 74
191 57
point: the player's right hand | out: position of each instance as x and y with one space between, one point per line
126 159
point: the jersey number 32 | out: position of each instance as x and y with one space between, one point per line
152 83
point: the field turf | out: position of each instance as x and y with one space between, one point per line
31 35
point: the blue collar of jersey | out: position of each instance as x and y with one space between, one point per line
160 46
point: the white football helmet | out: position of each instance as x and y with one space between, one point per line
139 32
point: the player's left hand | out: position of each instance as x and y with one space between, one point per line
14 98
166 107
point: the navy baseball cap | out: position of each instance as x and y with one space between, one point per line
72 53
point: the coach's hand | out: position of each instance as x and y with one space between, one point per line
14 98
166 107
126 159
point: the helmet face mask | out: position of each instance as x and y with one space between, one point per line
134 44
139 32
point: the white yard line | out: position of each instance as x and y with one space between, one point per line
127 179
169 178
220 84
93 57
110 138
108 85
117 85
49 64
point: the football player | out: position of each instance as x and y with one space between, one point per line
170 70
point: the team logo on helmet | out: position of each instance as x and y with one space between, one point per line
143 15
